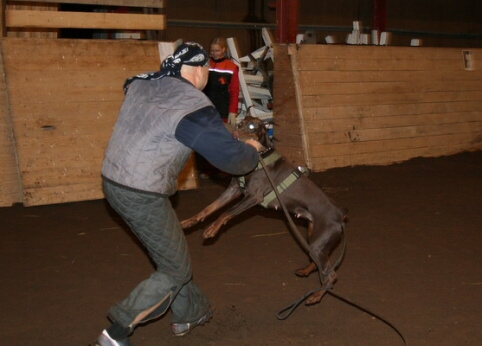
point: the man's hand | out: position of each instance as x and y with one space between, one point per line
255 144
232 119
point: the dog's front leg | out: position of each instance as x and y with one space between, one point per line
247 202
231 193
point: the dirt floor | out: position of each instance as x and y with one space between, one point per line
414 257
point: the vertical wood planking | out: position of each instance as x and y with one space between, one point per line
64 97
287 123
10 184
380 105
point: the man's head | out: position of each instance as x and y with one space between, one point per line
197 75
191 61
191 54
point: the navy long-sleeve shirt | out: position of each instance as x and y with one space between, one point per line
204 132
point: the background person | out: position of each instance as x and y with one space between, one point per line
222 89
223 84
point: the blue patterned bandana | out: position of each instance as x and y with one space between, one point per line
189 53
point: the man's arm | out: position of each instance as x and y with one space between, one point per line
204 132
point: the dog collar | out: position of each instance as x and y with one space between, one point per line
290 179
270 156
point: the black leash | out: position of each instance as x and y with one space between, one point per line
288 310
284 313
378 317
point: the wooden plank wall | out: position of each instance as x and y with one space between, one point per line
32 32
369 105
287 123
10 184
64 97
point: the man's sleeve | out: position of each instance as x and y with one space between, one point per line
204 132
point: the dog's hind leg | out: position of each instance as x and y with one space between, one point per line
306 271
321 249
230 194
327 285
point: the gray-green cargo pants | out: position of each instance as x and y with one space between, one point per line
154 222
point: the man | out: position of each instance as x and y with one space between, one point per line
163 118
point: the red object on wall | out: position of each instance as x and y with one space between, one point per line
287 17
379 15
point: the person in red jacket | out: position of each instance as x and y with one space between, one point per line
222 89
223 83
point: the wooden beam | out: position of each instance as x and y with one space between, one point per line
287 18
305 134
3 28
10 179
83 20
127 3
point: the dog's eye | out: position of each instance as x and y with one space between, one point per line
252 127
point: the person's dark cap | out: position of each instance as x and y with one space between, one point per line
190 53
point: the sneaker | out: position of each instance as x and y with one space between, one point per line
181 329
104 339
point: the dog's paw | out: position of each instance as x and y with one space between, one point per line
188 223
304 272
210 233
315 298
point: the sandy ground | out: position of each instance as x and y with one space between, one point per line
413 257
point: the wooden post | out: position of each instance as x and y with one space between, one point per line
379 16
3 27
287 17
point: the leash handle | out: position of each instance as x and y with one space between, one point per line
284 313
290 308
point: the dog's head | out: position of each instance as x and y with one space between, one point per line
255 128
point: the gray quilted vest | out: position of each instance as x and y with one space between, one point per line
143 152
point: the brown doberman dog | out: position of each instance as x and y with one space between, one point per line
297 192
